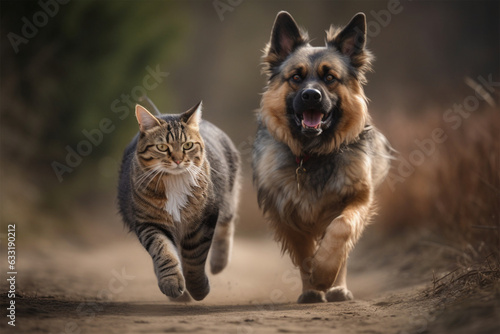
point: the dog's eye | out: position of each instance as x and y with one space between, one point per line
296 78
329 78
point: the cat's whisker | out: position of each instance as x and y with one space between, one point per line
194 178
149 174
195 168
194 171
215 171
143 177
191 174
158 172
160 177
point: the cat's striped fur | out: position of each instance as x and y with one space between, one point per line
178 191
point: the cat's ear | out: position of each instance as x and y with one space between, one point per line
145 118
192 117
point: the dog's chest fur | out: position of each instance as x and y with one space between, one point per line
324 185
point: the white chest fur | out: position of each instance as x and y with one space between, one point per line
177 190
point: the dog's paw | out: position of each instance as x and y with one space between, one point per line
311 296
323 274
173 285
338 294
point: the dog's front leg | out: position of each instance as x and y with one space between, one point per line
301 248
330 260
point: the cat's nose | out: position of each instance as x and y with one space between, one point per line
178 162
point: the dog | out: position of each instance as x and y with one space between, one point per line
317 158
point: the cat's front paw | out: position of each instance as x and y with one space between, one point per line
172 285
198 286
185 298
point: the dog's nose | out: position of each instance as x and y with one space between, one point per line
311 95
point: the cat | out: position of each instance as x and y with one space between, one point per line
178 191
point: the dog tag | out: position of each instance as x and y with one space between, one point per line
299 174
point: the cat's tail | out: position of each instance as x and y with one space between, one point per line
152 106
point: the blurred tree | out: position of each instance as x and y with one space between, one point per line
64 79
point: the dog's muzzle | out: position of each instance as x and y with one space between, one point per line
310 111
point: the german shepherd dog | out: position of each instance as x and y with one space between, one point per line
317 158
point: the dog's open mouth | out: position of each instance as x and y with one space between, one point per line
311 119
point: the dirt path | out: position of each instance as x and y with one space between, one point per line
112 289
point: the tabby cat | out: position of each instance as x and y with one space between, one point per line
178 191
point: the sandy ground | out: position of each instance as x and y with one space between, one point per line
111 288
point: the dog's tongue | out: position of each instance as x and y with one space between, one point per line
312 119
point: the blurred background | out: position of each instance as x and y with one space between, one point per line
72 70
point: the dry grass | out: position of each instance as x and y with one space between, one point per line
468 198
464 280
455 192
455 195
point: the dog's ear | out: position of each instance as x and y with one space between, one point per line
285 38
351 42
352 39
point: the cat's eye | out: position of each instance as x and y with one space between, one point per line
187 146
162 147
